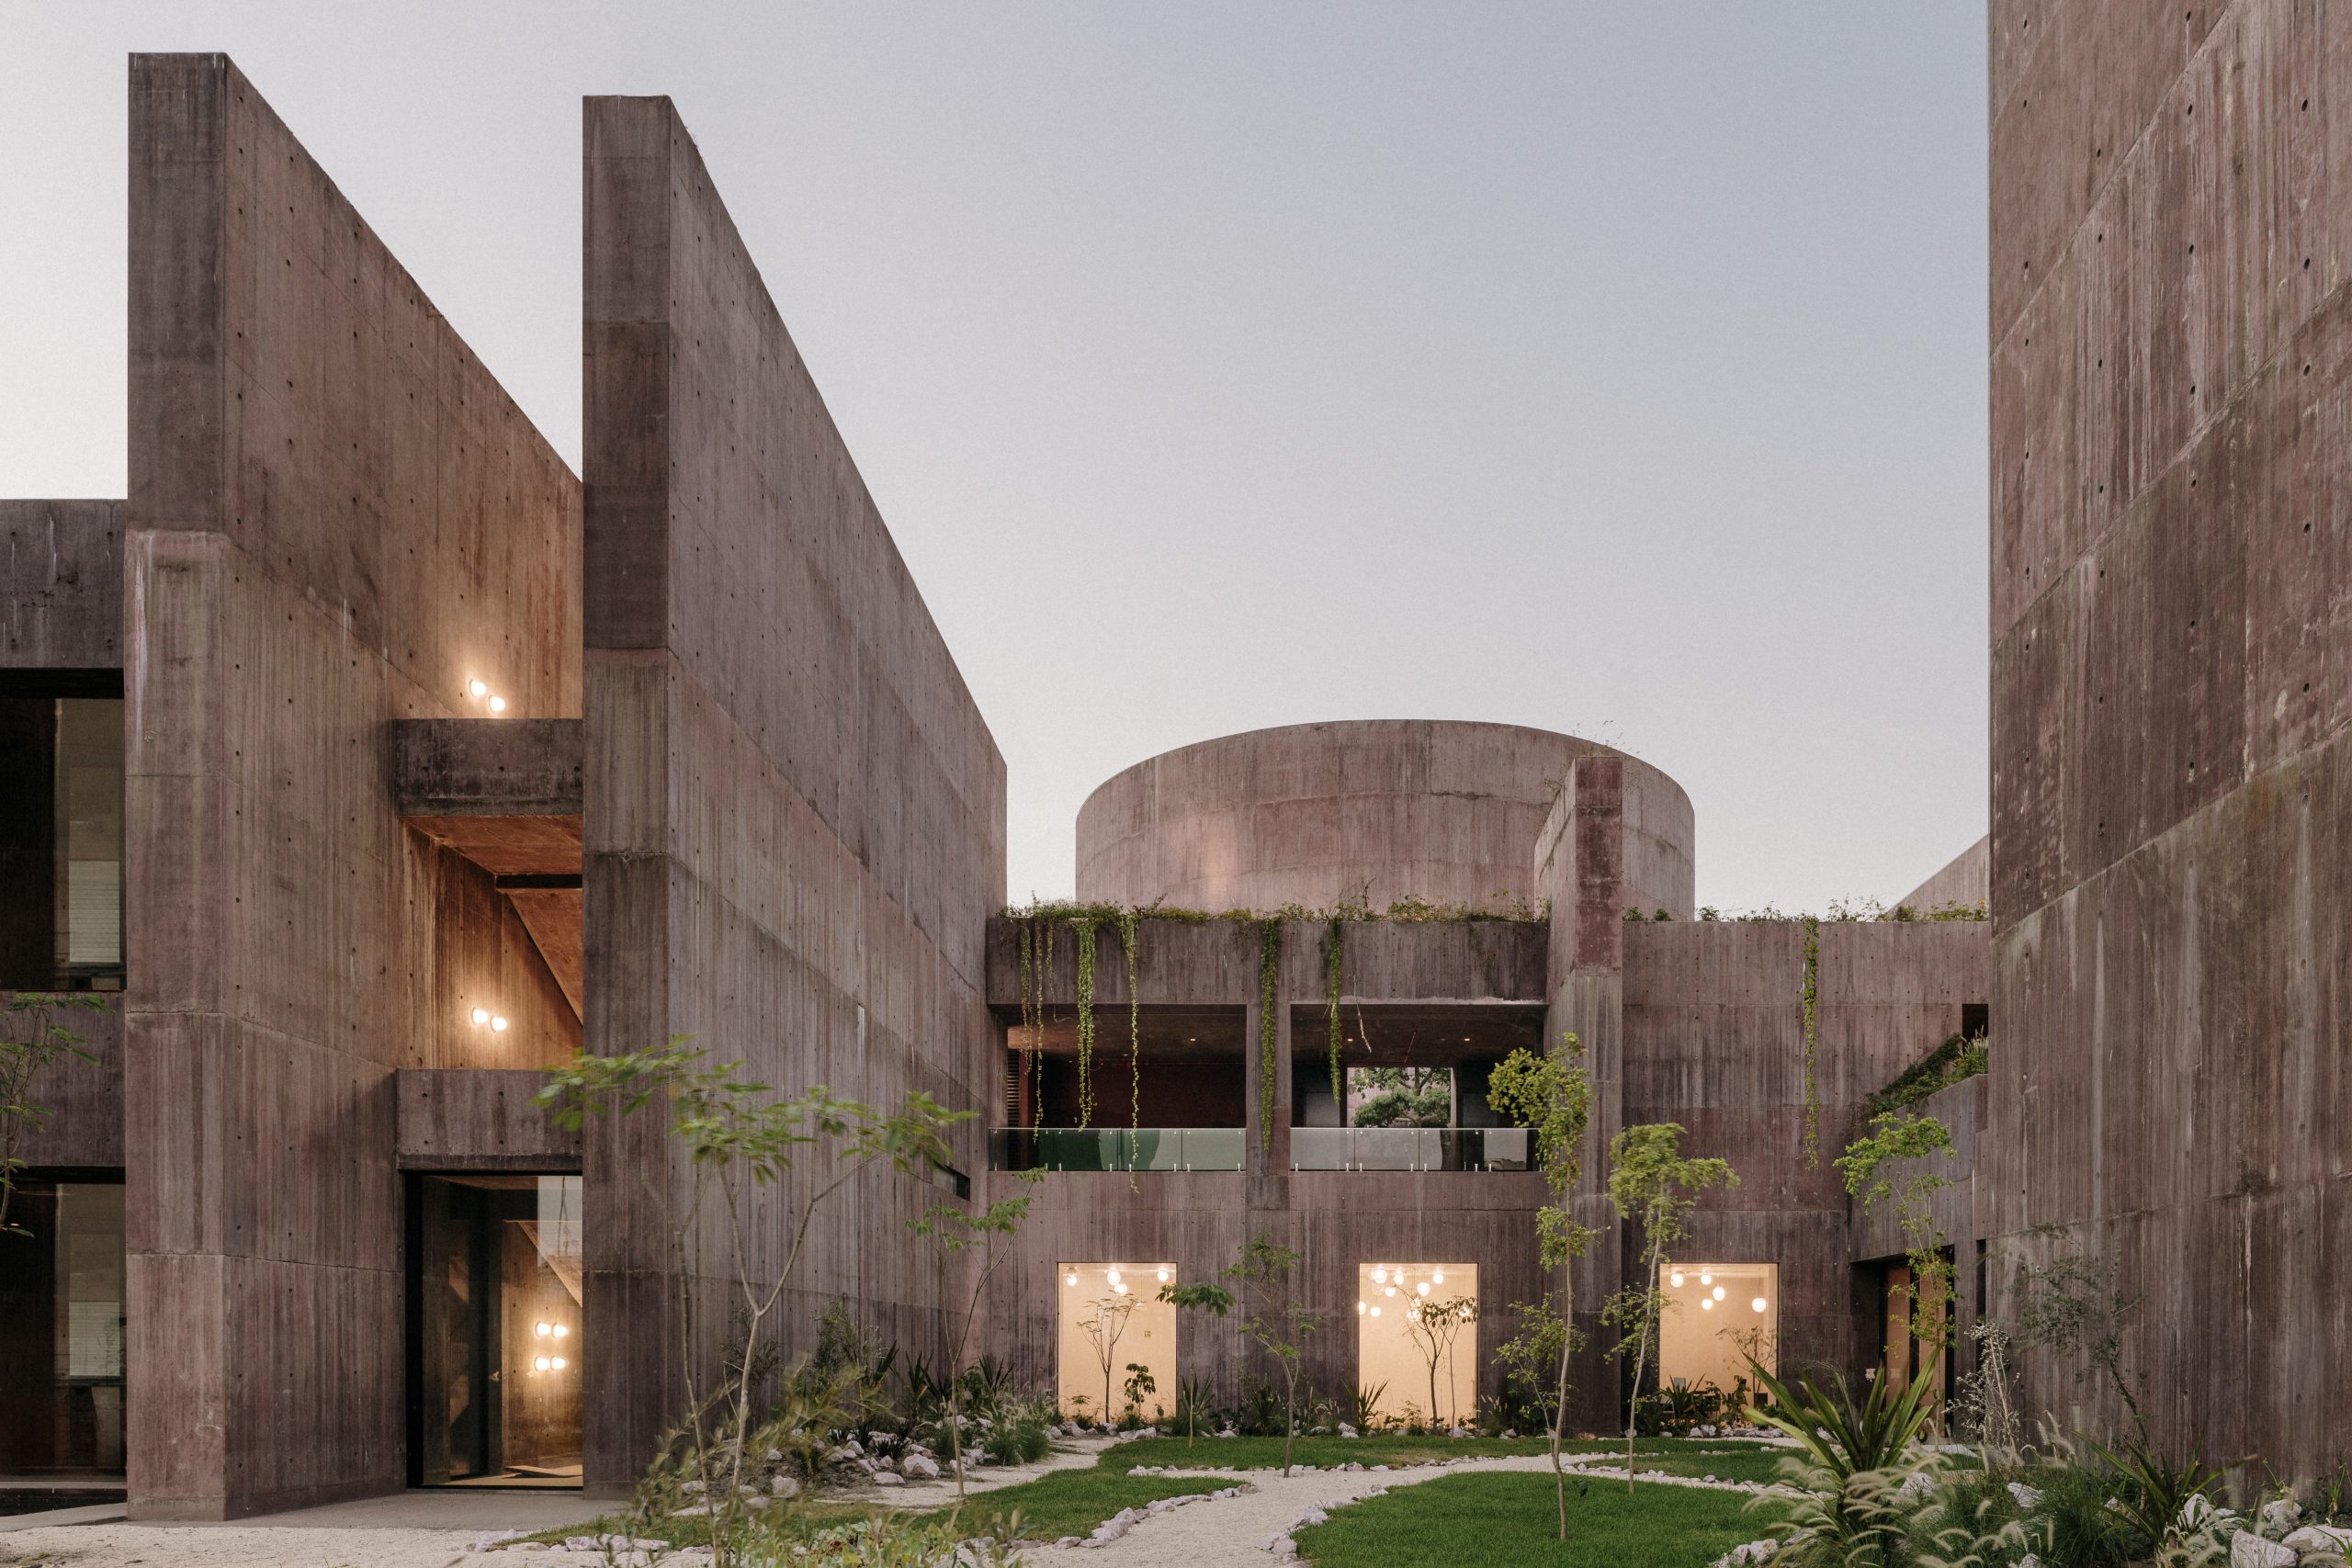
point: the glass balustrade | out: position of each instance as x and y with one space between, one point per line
1116 1148
1226 1149
1409 1148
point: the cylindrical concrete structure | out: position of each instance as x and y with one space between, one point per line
1364 811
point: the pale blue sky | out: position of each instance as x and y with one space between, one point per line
1615 369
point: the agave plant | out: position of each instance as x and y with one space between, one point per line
1840 1436
1363 1405
1862 1483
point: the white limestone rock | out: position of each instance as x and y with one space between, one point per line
2028 1497
2320 1538
2248 1550
2278 1516
888 1478
918 1466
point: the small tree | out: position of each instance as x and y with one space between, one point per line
1887 1165
1102 1331
2074 1305
32 1040
1273 1315
1139 1386
742 1141
958 1231
1432 1327
1551 1097
1653 1184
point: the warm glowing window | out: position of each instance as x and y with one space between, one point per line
1118 1339
1417 1340
1717 1317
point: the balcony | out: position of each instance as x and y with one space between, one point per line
1116 1148
1409 1148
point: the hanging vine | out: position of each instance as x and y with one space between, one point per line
1811 997
1084 929
1135 1033
1334 953
1030 1036
1269 955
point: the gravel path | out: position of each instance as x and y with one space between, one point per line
1230 1532
1235 1533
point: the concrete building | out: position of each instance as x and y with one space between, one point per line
367 762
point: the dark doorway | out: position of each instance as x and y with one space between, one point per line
61 1327
496 1335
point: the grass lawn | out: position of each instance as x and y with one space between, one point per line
1508 1521
1266 1454
1070 1501
1063 1502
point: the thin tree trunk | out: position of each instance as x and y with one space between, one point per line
1560 1416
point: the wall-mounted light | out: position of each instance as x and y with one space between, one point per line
1423 1286
1380 1276
543 1329
557 1362
478 690
1677 1278
1759 1304
1705 1278
1706 1304
539 1363
497 1024
1719 1293
1359 1309
1437 1276
1070 1278
1112 1275
1375 1312
481 1016
1163 1276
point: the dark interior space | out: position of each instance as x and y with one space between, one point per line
61 1327
61 836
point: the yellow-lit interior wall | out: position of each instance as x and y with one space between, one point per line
1387 1351
1704 1338
1147 1337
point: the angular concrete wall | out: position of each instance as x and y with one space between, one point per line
1366 811
795 815
2172 677
336 518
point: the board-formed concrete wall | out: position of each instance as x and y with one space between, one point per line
1714 1040
336 517
1363 812
60 584
2171 209
795 815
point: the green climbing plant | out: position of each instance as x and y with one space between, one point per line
1335 946
1083 928
1031 929
1269 960
1135 1040
1888 1165
1810 995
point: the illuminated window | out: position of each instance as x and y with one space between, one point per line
1717 1315
1417 1340
1117 1340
